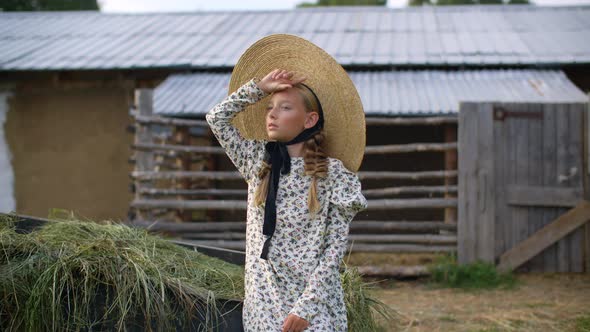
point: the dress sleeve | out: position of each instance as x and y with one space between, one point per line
243 153
346 200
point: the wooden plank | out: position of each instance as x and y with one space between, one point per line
587 148
212 163
411 203
152 119
170 226
385 175
405 121
382 227
410 147
200 226
562 226
404 238
190 192
467 134
538 195
520 145
370 247
511 227
485 216
393 271
576 156
586 167
531 192
374 149
171 155
501 172
357 238
410 190
204 149
360 247
234 175
243 192
399 226
183 163
376 204
476 183
144 160
587 247
549 254
450 164
549 167
174 175
562 169
215 235
227 204
228 244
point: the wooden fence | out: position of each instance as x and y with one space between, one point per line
174 176
523 186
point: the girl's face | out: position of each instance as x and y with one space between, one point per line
286 115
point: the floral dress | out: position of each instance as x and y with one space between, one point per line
301 275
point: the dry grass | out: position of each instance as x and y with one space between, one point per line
371 258
540 302
82 275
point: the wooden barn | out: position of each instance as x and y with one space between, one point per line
476 123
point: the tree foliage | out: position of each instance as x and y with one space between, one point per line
326 3
47 5
466 2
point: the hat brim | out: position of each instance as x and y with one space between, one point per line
344 117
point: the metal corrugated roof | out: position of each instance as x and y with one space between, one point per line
391 93
431 35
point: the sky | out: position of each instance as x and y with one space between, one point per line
195 5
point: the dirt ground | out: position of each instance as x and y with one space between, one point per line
538 302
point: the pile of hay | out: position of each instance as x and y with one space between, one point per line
74 275
78 275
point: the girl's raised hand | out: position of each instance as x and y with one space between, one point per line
279 79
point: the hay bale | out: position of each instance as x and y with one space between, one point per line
79 275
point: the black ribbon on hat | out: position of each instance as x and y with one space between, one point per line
278 156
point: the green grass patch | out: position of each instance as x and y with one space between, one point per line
446 272
583 323
448 318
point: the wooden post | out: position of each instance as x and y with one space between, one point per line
450 165
586 184
183 163
211 164
144 160
476 183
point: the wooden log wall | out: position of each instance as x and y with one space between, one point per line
181 179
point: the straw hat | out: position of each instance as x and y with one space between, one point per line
344 118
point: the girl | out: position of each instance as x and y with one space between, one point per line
300 203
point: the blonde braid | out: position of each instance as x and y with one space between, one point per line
264 175
316 165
